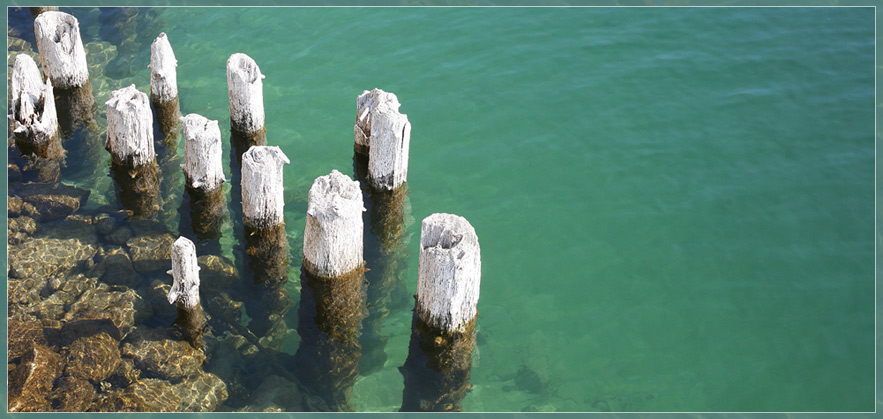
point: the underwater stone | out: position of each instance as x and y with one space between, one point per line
13 173
217 272
31 380
44 257
202 393
61 49
449 272
24 334
125 374
118 269
93 358
263 199
246 94
157 299
159 354
100 305
151 253
20 228
276 394
333 231
72 394
53 207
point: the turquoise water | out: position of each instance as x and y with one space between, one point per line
675 206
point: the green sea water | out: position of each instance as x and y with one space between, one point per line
675 206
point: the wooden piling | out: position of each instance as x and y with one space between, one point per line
204 174
333 231
63 59
262 186
332 289
61 49
130 143
185 290
164 88
266 244
246 94
34 120
436 372
384 134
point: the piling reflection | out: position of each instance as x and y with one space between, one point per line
386 256
267 259
436 372
329 322
138 188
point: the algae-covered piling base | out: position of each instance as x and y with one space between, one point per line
436 372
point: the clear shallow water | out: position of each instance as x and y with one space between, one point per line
675 206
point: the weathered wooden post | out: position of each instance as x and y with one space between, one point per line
436 372
64 62
204 174
164 89
246 94
385 253
130 143
184 293
266 246
386 134
34 120
332 292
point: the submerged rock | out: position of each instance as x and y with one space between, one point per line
18 229
31 380
276 394
217 273
200 393
121 308
23 335
45 257
159 354
72 394
118 269
125 374
151 253
52 201
93 358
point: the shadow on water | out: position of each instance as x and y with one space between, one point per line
386 258
329 322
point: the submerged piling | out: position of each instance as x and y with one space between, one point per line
436 372
332 292
130 143
385 134
63 59
246 94
204 174
34 120
385 253
164 88
185 290
266 246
